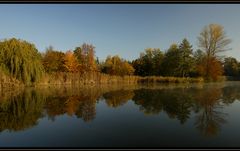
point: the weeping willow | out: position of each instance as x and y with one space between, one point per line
21 59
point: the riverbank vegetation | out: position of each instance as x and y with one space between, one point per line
21 61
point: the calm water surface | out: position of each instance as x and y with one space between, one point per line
195 115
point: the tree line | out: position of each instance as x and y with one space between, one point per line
21 59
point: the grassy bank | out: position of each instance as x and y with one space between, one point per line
100 78
8 83
82 79
156 79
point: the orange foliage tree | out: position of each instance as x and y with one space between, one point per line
210 68
86 57
70 62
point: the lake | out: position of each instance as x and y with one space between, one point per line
175 115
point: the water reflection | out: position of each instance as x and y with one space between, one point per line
79 102
209 105
22 110
118 97
176 103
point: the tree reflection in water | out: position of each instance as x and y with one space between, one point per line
176 103
209 118
22 110
118 97
78 102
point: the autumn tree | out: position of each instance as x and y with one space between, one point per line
21 59
53 60
86 57
70 62
117 66
126 68
80 58
210 68
202 69
212 41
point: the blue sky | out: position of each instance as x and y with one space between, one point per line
123 29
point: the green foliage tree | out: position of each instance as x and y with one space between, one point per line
21 59
198 55
21 111
98 65
149 62
186 60
171 61
157 61
137 65
231 66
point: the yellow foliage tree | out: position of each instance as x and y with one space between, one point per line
117 66
212 41
86 57
70 62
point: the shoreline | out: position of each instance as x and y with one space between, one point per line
96 79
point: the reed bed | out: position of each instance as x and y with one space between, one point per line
96 78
